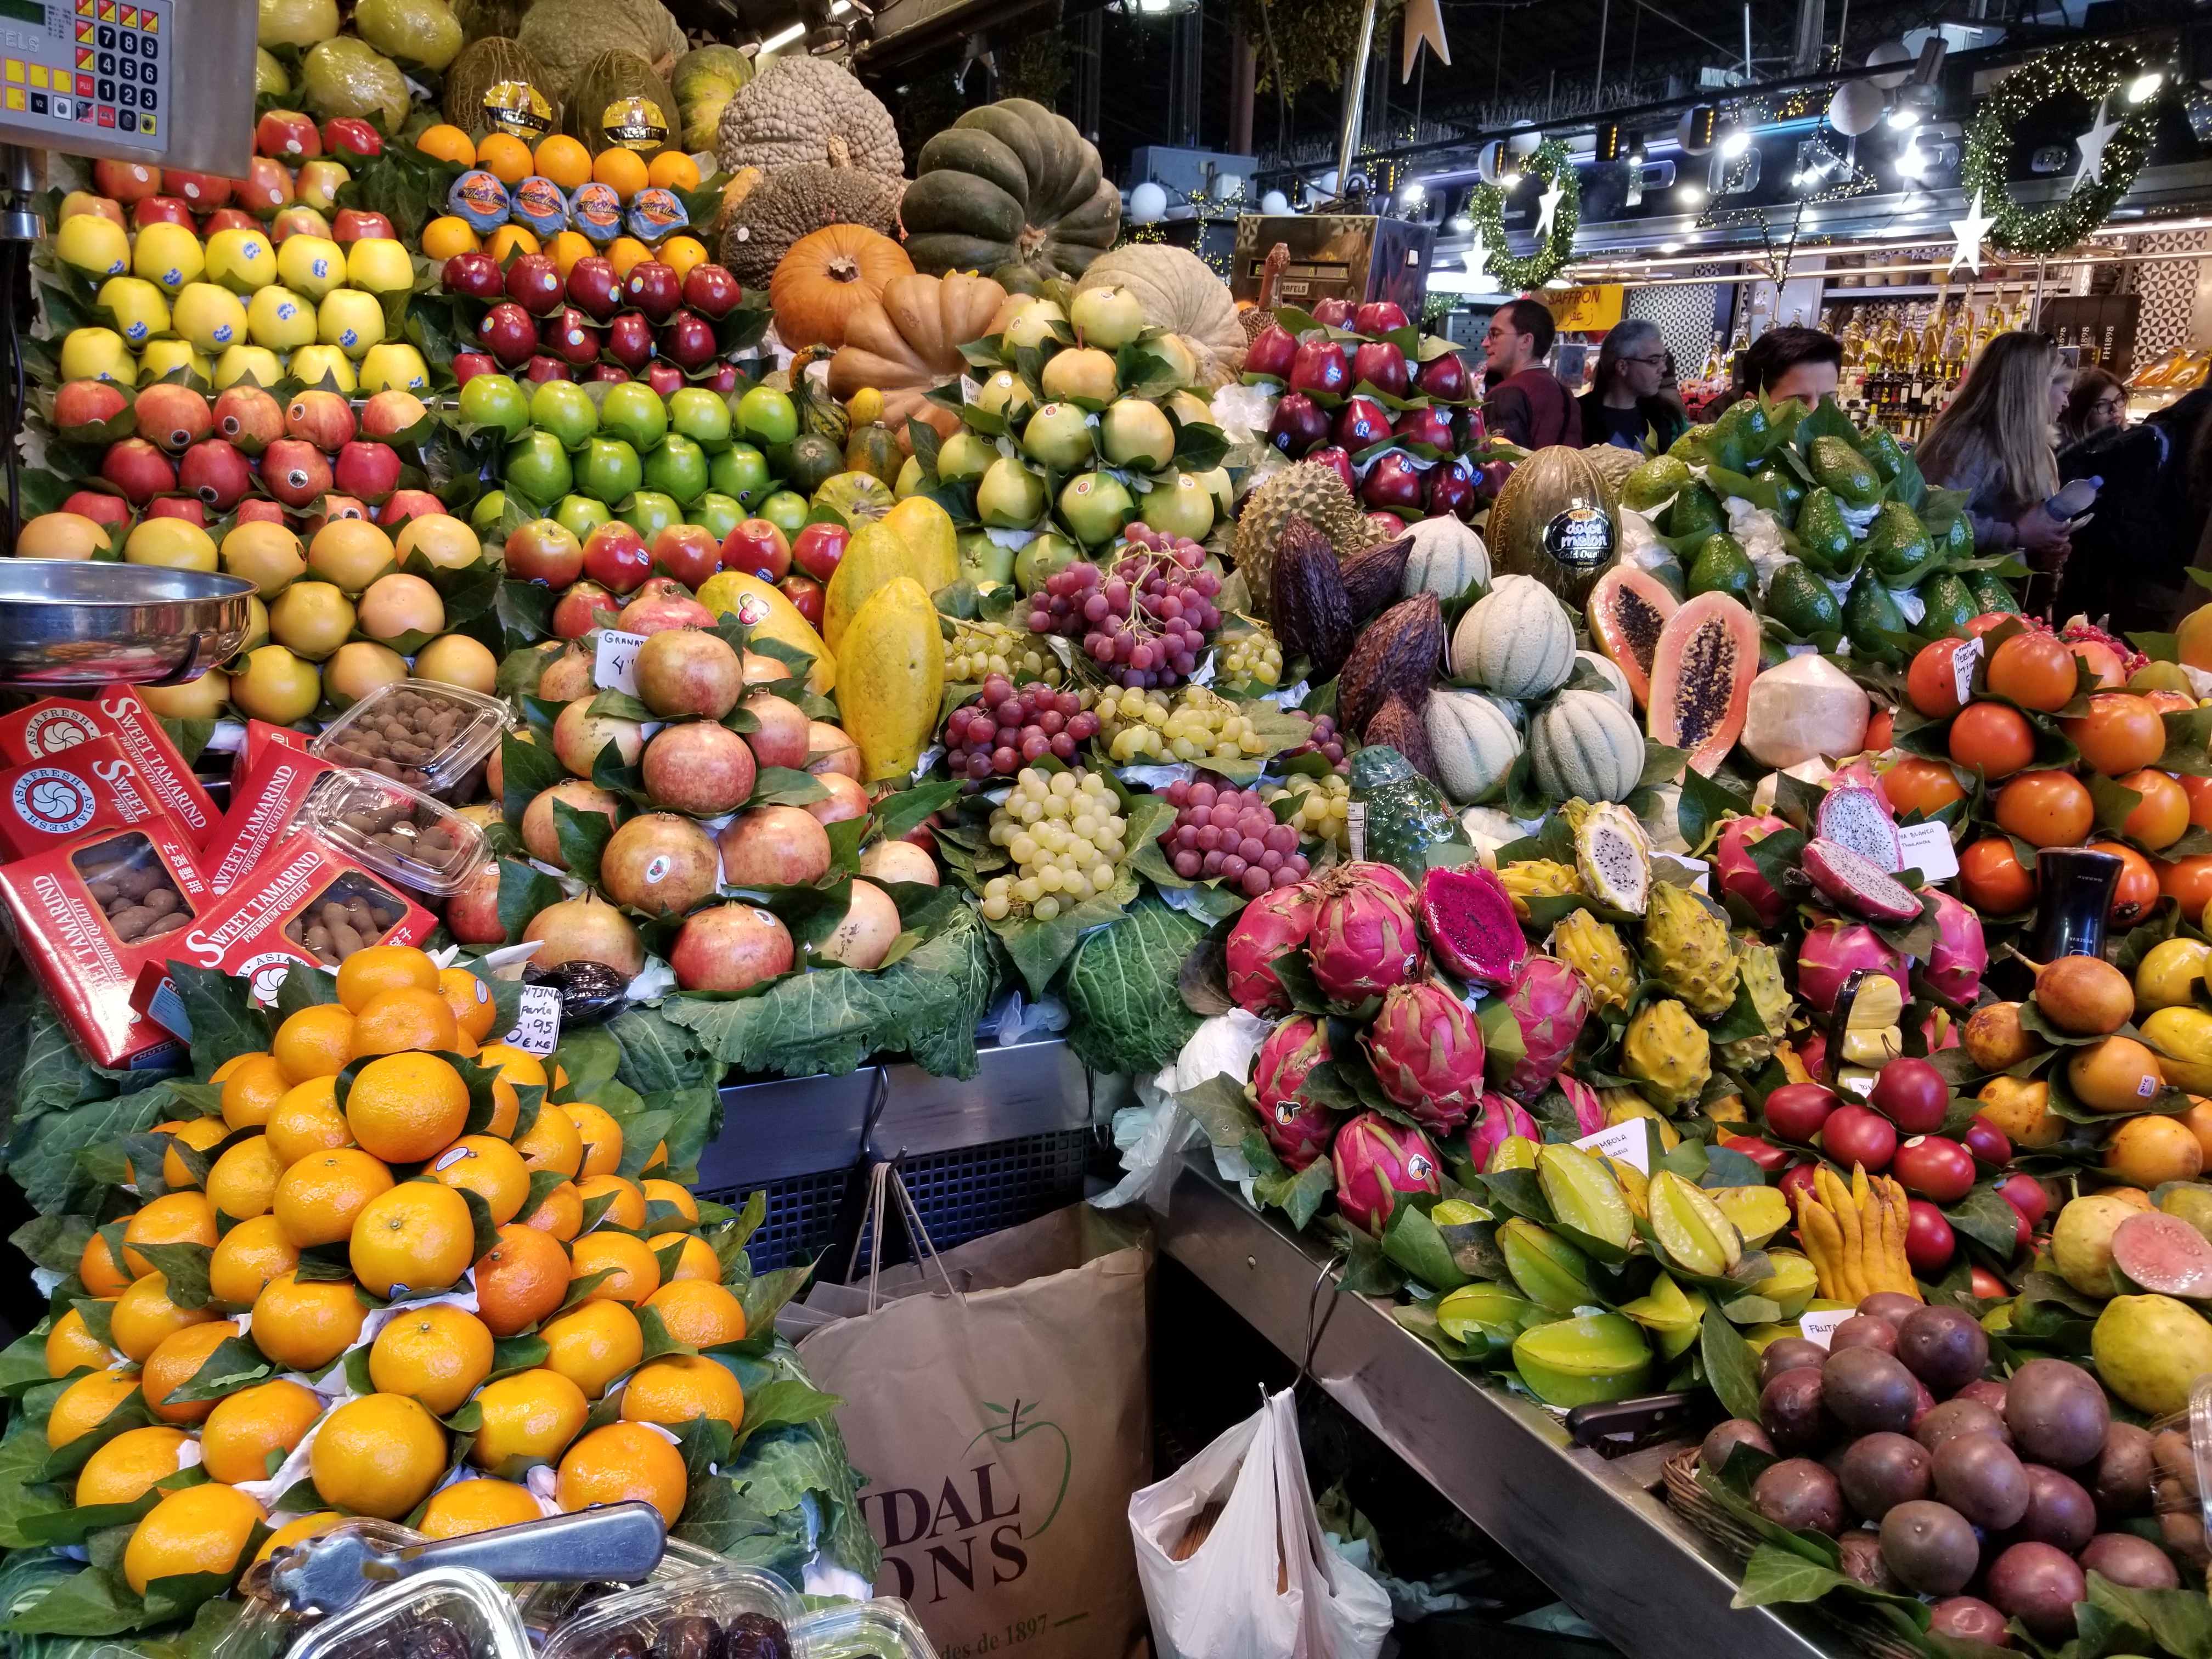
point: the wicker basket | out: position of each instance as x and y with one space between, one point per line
1868 1631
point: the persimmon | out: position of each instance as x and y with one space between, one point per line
1931 683
2046 809
2121 734
2136 891
2035 671
1925 786
2199 791
1996 737
1996 882
2161 818
2188 880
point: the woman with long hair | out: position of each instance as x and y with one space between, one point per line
1627 397
1993 441
2097 402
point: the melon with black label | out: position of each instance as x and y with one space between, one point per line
1554 521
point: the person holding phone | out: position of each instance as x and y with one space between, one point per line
1626 400
1993 441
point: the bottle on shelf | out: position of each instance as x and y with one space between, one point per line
1855 341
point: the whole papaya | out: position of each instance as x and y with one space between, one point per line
891 677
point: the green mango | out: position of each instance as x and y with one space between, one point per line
1899 546
1821 530
1882 452
1801 602
1845 472
1869 613
1721 566
1659 479
1690 445
1991 593
1950 603
1958 541
1697 512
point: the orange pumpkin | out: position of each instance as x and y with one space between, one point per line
908 340
827 276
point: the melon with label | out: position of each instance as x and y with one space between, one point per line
1554 521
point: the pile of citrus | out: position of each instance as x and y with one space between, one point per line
366 1173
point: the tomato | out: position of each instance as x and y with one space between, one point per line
1931 683
1924 786
1936 1168
2199 791
2121 734
1795 1111
2046 809
1912 1094
1856 1134
2137 888
2188 880
2035 671
1993 737
2161 818
1881 731
2104 662
1987 1287
1994 881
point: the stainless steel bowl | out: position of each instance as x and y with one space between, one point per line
69 622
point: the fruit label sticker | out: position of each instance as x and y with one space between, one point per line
1581 537
1820 1326
539 202
1926 847
654 213
634 124
1962 668
537 1026
1629 1142
518 107
614 665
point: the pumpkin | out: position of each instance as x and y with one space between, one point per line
790 203
1584 744
1804 707
1515 641
1010 185
826 276
1474 742
1448 558
908 339
1178 292
1552 521
790 110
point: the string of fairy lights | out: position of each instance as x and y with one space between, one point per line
2113 152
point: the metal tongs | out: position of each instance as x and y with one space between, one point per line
616 1542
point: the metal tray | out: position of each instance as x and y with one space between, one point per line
72 623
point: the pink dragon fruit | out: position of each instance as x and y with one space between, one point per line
1498 1118
1833 947
1858 883
1857 814
1589 1110
1939 1030
1468 916
1364 938
1549 1002
1378 1162
1298 1129
1271 924
1956 965
1740 875
1427 1053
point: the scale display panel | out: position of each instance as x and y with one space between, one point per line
168 82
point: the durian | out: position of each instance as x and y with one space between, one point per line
1308 490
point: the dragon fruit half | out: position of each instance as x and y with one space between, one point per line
1377 1163
1549 1002
1274 924
1855 813
1468 916
1589 1110
1427 1053
1298 1129
1364 938
1499 1118
1742 876
1833 947
1957 964
1857 882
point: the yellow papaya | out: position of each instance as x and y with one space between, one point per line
770 614
926 530
873 557
892 678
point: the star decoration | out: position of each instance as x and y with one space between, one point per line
1424 21
2092 145
1972 231
1478 257
1546 205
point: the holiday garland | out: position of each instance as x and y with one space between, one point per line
2096 70
1548 163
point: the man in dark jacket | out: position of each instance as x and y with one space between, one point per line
1626 400
1524 403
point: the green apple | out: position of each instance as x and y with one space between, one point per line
608 469
650 512
678 468
1179 504
786 509
983 561
561 407
633 411
719 513
484 516
1041 556
1133 431
581 515
767 416
1095 506
964 457
538 466
701 415
496 400
1011 496
741 473
1058 437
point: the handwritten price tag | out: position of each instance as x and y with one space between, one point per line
1629 1142
1819 1326
1962 668
970 391
614 665
538 1029
1926 847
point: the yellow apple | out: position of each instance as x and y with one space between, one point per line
242 260
97 354
312 265
93 245
350 321
209 316
165 357
247 362
281 319
380 265
168 256
312 365
394 368
137 306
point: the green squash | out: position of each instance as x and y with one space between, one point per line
808 462
1801 602
1010 184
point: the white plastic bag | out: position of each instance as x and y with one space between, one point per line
1242 1593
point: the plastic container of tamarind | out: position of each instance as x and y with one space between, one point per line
397 831
429 736
2181 1476
732 1613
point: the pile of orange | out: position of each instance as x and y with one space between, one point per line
2048 725
326 1203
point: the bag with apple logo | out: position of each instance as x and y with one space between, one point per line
996 1404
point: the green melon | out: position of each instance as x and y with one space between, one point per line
1554 521
482 66
607 79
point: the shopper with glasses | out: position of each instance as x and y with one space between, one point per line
1627 395
2096 402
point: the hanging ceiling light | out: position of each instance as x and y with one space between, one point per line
2144 87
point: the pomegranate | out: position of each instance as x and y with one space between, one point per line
586 929
698 767
774 847
863 938
658 863
781 737
731 947
472 913
541 826
846 800
682 671
828 749
899 860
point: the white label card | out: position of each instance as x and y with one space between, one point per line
537 1028
1926 847
1962 668
1629 1142
614 663
970 391
1820 1326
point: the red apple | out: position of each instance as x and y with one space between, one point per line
215 470
160 210
541 368
724 379
228 218
467 365
187 507
584 607
1271 352
663 377
1381 365
543 551
286 135
805 596
1332 313
475 274
1378 317
818 548
654 288
593 288
689 340
630 340
99 506
351 132
139 469
370 470
294 470
296 220
534 283
688 552
617 557
571 336
708 289
324 419
1444 377
509 333
90 402
125 181
404 504
267 190
249 418
757 548
391 412
352 225
612 373
1320 365
255 509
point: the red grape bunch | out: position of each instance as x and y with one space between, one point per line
1011 727
1326 741
1148 621
1231 834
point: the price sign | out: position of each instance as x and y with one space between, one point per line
970 391
1962 668
1926 847
614 664
1819 1326
1629 1142
538 1029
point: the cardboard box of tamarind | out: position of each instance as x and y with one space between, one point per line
85 787
94 914
52 724
264 802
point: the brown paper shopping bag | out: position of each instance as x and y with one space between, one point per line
996 1407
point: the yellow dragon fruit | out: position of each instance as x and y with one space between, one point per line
1686 947
1760 971
1593 949
1527 879
1667 1054
1613 854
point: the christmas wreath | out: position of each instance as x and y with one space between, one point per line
2096 70
1548 163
